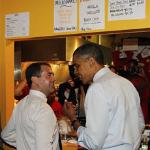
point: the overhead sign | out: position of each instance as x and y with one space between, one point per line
65 16
17 24
92 14
126 9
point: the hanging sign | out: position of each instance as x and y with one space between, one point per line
65 15
126 9
17 25
91 14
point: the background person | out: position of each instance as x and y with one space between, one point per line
142 87
21 90
114 120
66 92
55 105
113 69
33 124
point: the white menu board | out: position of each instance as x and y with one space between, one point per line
126 9
65 16
92 14
17 24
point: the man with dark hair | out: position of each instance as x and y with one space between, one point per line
33 125
114 120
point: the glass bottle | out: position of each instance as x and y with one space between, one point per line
144 144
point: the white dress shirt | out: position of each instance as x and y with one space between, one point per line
114 120
33 125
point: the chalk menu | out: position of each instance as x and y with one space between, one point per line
17 24
91 14
65 15
126 9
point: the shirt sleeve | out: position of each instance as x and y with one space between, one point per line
8 134
141 120
140 114
45 128
97 120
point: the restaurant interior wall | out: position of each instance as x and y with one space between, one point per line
56 51
58 55
132 46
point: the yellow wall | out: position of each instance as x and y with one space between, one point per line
130 24
6 74
42 12
0 59
0 62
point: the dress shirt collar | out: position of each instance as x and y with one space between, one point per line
39 94
100 73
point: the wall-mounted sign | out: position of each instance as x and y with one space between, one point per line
65 16
126 9
92 14
17 24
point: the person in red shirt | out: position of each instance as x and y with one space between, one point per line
57 107
55 104
142 87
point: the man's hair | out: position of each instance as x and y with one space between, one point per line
34 70
90 50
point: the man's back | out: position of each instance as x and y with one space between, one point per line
34 120
113 116
125 117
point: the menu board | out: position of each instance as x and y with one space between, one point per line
91 14
65 16
17 24
126 9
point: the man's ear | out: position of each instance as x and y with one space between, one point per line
91 61
34 79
